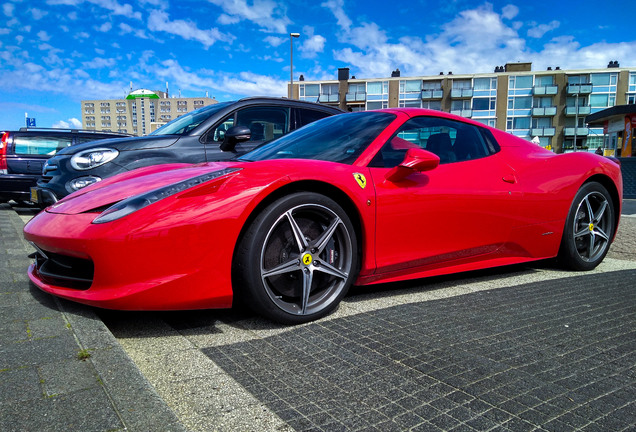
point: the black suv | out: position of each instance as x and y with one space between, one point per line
215 132
24 152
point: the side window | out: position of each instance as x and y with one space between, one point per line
43 146
218 133
451 140
265 123
306 116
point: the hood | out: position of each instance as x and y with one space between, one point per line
130 184
123 144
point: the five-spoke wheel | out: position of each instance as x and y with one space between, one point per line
589 228
297 259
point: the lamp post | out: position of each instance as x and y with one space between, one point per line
291 62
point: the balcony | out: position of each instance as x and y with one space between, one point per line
329 98
432 94
574 89
545 90
544 111
462 93
580 131
356 97
543 132
582 110
463 112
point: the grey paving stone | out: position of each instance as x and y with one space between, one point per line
514 359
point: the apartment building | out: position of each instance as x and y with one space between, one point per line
140 113
546 106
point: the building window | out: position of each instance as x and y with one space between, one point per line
307 90
543 80
378 87
432 104
410 86
522 102
485 83
484 104
520 82
461 84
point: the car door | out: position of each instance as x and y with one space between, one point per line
30 152
456 212
266 122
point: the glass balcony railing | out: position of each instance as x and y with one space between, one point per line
543 132
582 110
432 94
544 111
580 131
579 89
546 90
327 98
462 93
356 97
463 112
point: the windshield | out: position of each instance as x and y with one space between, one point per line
340 138
187 122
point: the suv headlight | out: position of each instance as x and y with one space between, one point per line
92 158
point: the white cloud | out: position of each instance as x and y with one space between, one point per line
125 29
455 48
8 8
337 8
104 28
245 84
539 30
38 14
311 44
99 63
71 123
159 21
275 41
43 36
509 11
267 14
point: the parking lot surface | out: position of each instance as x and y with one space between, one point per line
518 348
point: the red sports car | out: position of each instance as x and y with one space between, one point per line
357 198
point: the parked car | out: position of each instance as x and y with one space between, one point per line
359 198
24 152
215 132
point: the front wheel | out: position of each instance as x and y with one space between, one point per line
589 228
297 259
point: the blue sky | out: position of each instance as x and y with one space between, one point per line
55 53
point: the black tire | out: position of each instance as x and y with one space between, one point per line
301 240
589 228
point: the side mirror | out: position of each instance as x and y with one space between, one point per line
416 160
235 135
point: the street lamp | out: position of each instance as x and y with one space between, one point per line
291 62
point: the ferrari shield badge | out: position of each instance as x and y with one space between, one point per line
362 181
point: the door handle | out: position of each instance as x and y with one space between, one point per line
509 178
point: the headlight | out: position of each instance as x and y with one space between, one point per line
92 158
82 182
134 203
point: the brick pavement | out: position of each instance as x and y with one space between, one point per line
44 385
557 355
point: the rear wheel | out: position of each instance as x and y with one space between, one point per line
297 259
589 228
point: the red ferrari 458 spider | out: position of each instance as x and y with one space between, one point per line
357 198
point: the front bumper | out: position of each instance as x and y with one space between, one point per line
115 266
42 197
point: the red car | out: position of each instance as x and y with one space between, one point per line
357 198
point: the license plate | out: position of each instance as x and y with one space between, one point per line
34 195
